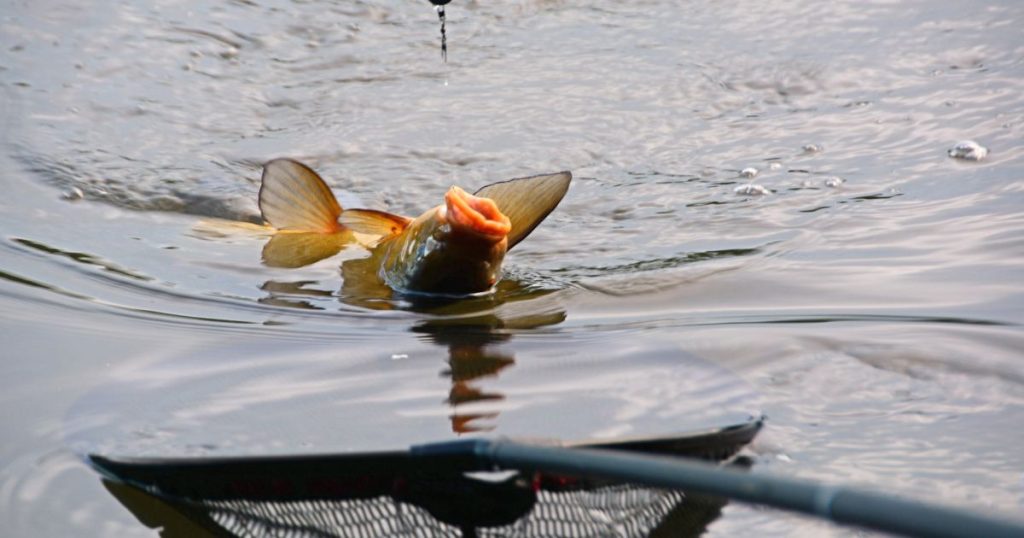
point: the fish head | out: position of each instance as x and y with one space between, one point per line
474 218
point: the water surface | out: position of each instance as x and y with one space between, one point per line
876 322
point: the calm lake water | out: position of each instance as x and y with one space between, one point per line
875 319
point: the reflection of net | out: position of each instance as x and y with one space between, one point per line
617 510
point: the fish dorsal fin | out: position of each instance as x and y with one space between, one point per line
373 222
293 197
526 201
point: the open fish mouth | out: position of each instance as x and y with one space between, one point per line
475 214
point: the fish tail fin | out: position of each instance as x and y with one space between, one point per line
527 201
294 198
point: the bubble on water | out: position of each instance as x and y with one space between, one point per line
834 181
811 148
806 183
399 356
748 172
775 166
752 189
73 194
968 150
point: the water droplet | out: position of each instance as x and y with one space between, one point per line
775 166
834 181
811 148
968 150
748 172
751 189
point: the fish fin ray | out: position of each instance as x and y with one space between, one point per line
298 249
527 201
293 197
373 222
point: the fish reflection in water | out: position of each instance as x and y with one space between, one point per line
471 329
475 353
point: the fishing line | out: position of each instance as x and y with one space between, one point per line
444 36
439 6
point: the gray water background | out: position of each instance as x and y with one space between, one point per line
877 322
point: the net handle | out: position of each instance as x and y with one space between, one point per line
840 504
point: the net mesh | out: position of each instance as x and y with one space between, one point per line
618 510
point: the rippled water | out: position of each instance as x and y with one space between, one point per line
876 321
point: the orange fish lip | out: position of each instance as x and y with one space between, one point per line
475 214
